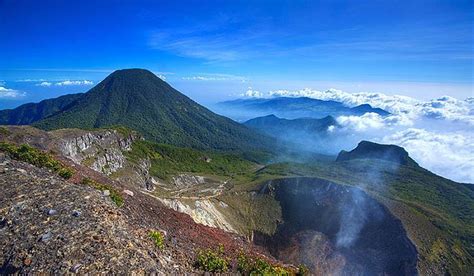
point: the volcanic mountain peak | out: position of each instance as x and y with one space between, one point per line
138 99
370 150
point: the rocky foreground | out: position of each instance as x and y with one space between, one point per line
48 224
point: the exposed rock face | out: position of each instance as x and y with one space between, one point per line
202 212
315 249
100 150
187 180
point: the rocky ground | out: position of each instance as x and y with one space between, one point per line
51 225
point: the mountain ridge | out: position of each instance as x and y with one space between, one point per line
291 108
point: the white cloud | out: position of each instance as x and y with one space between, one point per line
10 93
161 76
447 108
203 78
74 82
215 77
44 84
448 154
371 121
30 80
252 93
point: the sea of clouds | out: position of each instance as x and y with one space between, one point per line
438 134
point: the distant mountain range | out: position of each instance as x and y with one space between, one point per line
290 108
307 132
138 99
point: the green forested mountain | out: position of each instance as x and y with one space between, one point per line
138 99
274 126
32 112
370 150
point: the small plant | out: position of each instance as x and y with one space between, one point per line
302 270
65 173
29 154
115 196
212 260
4 131
248 265
158 238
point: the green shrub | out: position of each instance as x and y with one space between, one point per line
4 131
65 173
249 265
29 154
212 260
115 196
302 270
158 238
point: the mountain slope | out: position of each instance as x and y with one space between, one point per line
138 99
301 135
370 150
291 108
273 125
32 112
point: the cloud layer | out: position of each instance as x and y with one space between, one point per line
448 154
446 107
438 134
6 93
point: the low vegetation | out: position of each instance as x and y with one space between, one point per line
212 260
248 212
248 265
167 160
215 260
158 238
36 157
115 196
4 131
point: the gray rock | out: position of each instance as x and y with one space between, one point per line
21 170
106 192
46 237
76 213
75 268
128 192
52 212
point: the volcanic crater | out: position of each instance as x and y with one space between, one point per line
337 229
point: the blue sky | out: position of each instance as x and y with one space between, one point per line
215 50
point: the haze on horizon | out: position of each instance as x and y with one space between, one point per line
214 51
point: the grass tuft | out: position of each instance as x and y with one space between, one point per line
115 196
36 157
157 238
